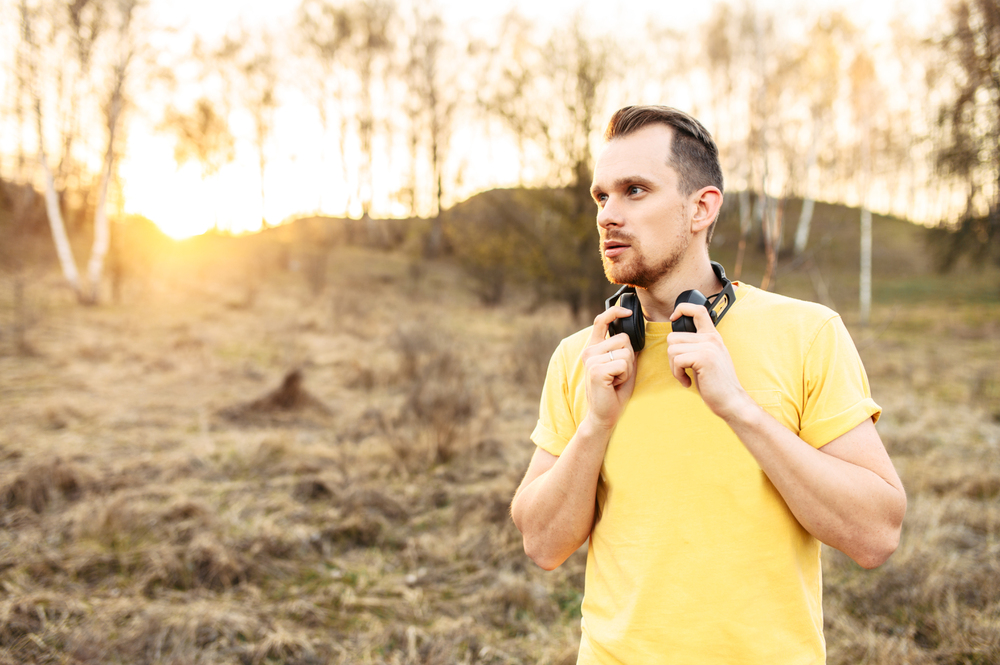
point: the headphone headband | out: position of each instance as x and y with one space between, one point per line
634 325
727 292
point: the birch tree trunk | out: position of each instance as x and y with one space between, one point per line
746 212
805 221
864 92
767 219
102 233
63 249
865 281
262 166
808 204
102 230
85 294
865 276
768 224
59 237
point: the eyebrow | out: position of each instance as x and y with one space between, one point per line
618 183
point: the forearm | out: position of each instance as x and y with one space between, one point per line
843 504
555 510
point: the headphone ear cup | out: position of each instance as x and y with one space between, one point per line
635 325
686 323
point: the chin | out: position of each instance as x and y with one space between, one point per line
613 272
619 274
639 276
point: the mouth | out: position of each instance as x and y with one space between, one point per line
614 248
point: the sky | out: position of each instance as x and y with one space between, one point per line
183 203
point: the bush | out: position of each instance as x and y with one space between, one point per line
542 239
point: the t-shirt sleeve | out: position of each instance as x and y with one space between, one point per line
556 424
837 395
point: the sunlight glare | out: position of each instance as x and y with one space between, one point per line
178 200
303 174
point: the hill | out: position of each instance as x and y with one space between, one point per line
903 266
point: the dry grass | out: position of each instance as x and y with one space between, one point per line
937 600
158 504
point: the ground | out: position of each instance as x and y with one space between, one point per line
162 501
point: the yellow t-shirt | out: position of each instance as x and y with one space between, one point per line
696 558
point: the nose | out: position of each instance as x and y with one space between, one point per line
610 214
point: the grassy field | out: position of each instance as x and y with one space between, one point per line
163 500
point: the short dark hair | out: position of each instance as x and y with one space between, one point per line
693 152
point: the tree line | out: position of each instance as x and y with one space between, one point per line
808 106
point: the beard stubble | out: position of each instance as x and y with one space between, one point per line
635 269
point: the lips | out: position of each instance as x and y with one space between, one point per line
613 248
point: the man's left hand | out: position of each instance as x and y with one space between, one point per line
706 355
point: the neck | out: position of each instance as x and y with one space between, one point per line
658 301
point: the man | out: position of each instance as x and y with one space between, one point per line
707 468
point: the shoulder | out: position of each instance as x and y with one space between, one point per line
571 347
778 313
776 303
564 364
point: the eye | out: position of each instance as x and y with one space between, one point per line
634 189
600 199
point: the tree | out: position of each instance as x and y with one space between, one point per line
202 135
20 205
581 67
369 49
520 78
252 58
354 41
29 20
760 28
119 18
723 42
434 101
970 148
86 21
113 110
325 29
818 66
510 71
740 54
864 94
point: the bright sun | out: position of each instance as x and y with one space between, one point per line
179 200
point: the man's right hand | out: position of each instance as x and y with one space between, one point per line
554 506
610 366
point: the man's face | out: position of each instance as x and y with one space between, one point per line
643 218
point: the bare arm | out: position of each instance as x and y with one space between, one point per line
847 493
554 505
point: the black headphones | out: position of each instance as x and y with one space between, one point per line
635 325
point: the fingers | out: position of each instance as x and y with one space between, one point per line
609 360
613 355
620 361
610 369
702 319
702 360
690 350
603 320
678 365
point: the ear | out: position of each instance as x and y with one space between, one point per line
707 202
